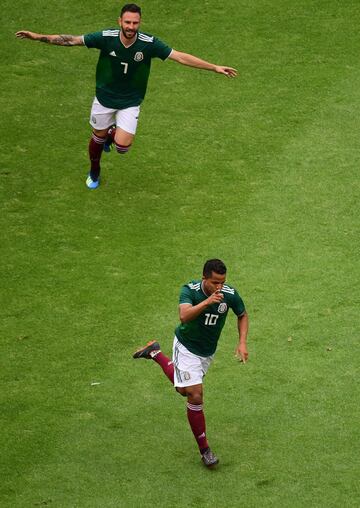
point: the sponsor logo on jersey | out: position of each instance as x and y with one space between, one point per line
138 56
222 308
112 53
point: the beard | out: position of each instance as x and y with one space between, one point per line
129 34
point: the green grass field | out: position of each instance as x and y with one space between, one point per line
261 171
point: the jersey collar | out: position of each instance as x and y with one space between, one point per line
129 46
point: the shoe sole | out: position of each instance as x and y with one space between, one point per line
210 466
138 353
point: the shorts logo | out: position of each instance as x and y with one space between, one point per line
222 308
138 56
186 376
93 119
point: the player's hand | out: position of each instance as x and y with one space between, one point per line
227 71
216 297
241 352
24 34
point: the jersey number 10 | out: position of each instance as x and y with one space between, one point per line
210 319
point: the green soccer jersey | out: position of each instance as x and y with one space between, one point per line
201 335
122 73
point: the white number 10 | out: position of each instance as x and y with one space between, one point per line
211 319
125 67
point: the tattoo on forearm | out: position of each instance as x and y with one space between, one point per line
59 40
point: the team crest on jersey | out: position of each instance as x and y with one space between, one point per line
138 56
222 308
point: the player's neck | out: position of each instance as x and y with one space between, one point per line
127 42
206 293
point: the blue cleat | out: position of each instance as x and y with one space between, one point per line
92 184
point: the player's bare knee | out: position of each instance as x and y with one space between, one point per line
195 398
122 149
100 133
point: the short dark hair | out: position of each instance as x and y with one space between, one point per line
130 8
213 265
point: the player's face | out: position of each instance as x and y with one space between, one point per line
214 283
129 24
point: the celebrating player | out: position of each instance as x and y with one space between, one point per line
121 79
203 308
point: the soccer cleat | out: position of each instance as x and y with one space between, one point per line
146 351
92 184
109 140
209 459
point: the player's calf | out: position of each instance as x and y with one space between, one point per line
96 146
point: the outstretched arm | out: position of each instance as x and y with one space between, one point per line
194 61
58 40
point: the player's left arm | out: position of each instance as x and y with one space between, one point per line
194 61
243 327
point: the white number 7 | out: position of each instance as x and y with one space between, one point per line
125 66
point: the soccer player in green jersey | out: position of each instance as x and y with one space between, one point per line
121 79
203 308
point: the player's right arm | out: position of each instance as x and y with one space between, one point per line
188 312
57 40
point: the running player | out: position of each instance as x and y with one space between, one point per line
203 308
121 79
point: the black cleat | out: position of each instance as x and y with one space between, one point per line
209 459
145 352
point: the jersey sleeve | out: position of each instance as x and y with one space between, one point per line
94 40
160 49
237 304
185 295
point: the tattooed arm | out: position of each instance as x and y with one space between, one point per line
58 40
